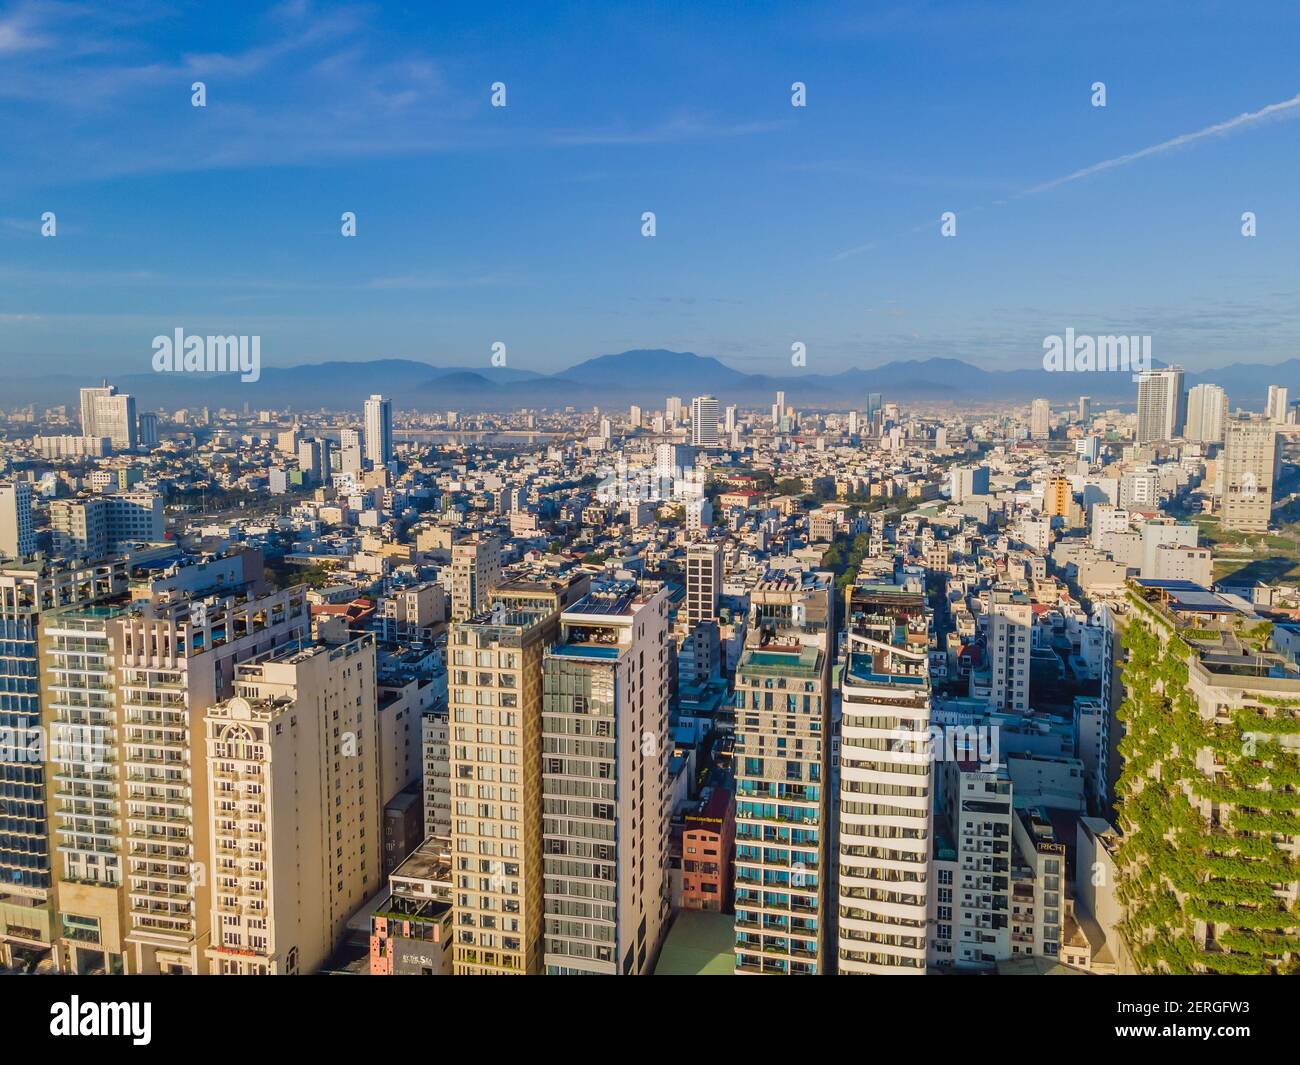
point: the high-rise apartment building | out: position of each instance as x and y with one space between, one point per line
435 744
293 806
495 719
1161 406
17 534
704 421
475 571
89 526
147 429
88 795
107 413
782 760
1250 465
379 430
350 451
1207 410
703 581
28 592
976 823
314 459
1040 419
1057 497
1010 623
886 799
173 657
1278 407
605 749
1206 802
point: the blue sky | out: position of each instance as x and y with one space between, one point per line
522 224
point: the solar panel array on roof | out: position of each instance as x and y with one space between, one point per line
603 604
1200 601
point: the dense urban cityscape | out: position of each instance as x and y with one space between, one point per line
682 688
647 489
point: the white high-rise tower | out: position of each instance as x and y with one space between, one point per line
379 430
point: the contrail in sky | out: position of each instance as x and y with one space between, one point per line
1250 118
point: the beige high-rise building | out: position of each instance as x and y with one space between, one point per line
17 535
1161 406
495 720
107 413
1278 406
126 682
1010 622
475 571
174 658
293 806
1040 419
605 754
1250 462
1207 407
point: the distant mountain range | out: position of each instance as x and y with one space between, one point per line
646 377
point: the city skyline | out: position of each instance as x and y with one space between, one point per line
648 490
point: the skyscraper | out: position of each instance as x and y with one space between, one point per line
885 800
379 430
704 421
475 571
703 581
28 591
128 811
106 413
496 759
17 536
605 748
1010 621
1040 419
1250 457
147 429
293 766
1207 407
782 758
1161 405
1232 915
1277 409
